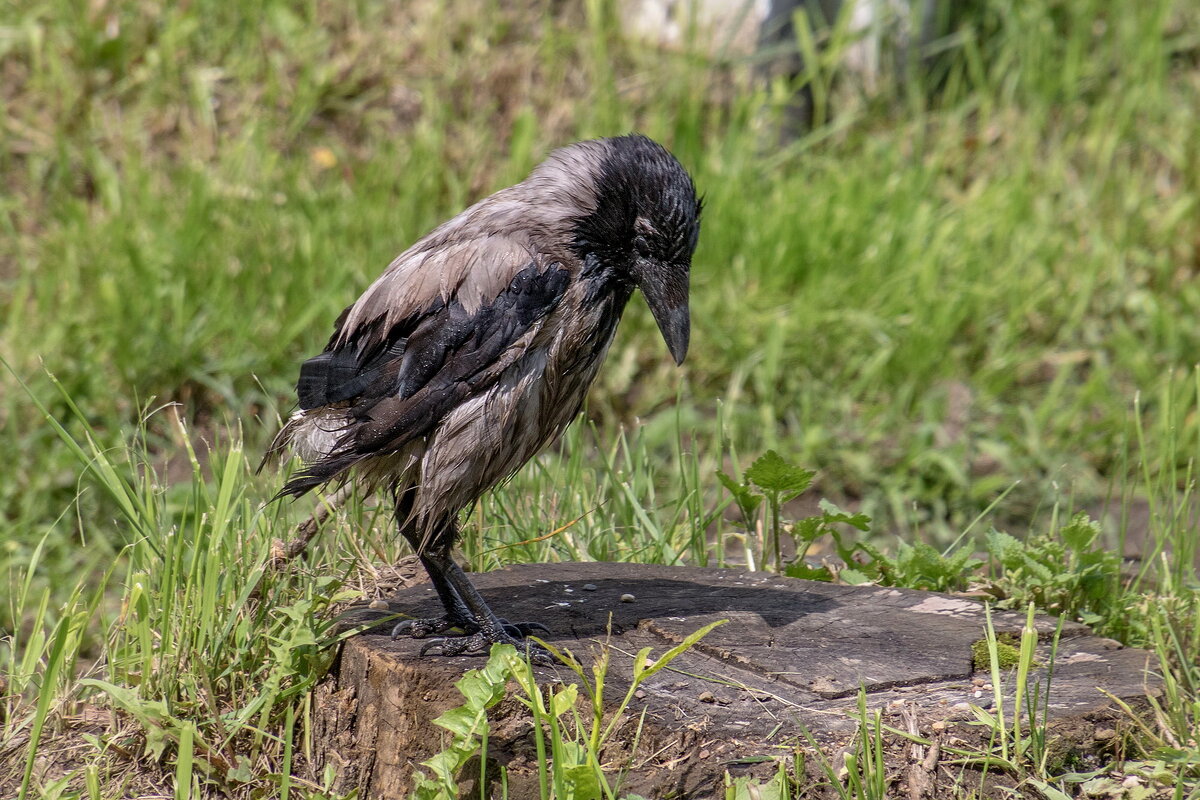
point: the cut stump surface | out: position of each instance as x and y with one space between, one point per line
792 656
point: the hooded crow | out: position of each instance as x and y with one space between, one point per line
476 347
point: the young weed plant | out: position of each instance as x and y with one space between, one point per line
569 743
773 479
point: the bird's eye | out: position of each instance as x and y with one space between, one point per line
642 246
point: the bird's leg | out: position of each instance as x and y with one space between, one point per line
457 614
492 629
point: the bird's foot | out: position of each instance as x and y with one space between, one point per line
481 644
420 628
519 630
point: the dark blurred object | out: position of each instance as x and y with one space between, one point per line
883 40
878 44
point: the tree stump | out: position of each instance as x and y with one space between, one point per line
791 658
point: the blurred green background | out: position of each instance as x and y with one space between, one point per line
959 283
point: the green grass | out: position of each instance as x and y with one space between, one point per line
965 308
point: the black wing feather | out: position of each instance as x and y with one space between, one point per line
399 383
348 369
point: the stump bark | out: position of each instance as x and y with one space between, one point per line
791 658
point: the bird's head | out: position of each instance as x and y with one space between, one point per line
644 228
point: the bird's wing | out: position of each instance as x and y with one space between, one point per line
432 331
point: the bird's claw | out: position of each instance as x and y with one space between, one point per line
420 628
480 644
519 630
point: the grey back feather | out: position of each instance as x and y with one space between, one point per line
472 257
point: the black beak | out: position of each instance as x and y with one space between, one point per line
665 287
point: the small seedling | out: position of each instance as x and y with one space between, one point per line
569 750
920 566
775 480
1068 572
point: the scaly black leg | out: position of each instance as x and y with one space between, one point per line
457 615
492 629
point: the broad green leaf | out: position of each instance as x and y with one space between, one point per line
460 720
809 529
747 787
745 497
582 782
833 514
854 577
485 686
243 772
564 700
1006 549
772 473
1048 791
802 570
1080 533
482 689
158 725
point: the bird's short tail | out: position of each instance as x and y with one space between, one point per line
318 473
276 450
321 469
